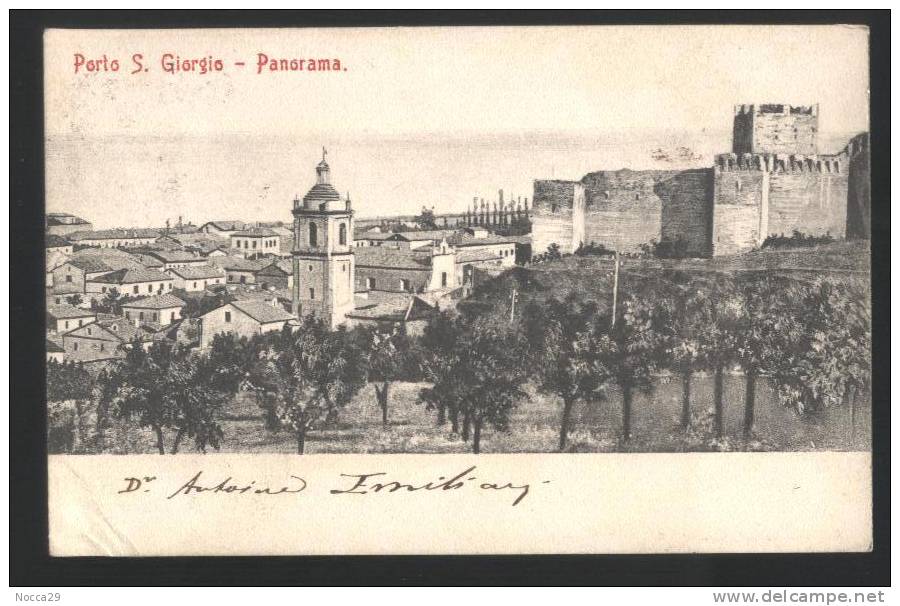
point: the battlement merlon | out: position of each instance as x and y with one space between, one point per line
784 163
776 108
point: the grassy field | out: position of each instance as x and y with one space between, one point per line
535 426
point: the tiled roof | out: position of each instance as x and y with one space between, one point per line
394 258
162 301
112 258
62 312
114 234
174 256
283 265
262 312
464 239
64 219
390 306
198 272
256 232
470 256
54 241
225 225
131 276
89 264
54 348
239 263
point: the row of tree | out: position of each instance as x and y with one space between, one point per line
811 341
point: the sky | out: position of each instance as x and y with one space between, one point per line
415 116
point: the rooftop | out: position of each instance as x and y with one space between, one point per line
198 272
163 301
174 256
54 241
256 232
115 234
262 312
63 312
390 306
397 258
131 276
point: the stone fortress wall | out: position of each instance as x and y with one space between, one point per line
773 182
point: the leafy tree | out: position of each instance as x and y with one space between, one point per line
763 332
110 303
390 359
629 350
69 393
728 311
562 353
194 306
167 389
690 349
831 359
425 219
316 374
75 300
439 353
479 374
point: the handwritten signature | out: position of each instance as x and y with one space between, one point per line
355 484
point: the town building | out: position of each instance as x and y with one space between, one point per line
72 275
196 278
323 256
242 319
239 270
255 241
114 238
105 339
130 282
54 243
773 182
170 259
223 229
164 309
376 308
55 352
405 270
62 318
277 274
62 224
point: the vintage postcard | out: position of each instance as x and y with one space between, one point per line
458 290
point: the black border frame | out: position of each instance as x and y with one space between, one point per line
30 564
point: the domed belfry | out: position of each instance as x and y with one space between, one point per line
323 251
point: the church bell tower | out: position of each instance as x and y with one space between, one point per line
324 272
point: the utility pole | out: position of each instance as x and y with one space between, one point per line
512 305
615 288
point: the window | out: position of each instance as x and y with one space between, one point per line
228 316
149 288
312 293
66 325
103 289
243 279
404 284
127 315
343 267
68 278
254 244
89 332
154 316
313 235
737 187
443 278
141 316
102 347
75 346
342 234
195 285
172 317
135 289
309 267
370 283
79 323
